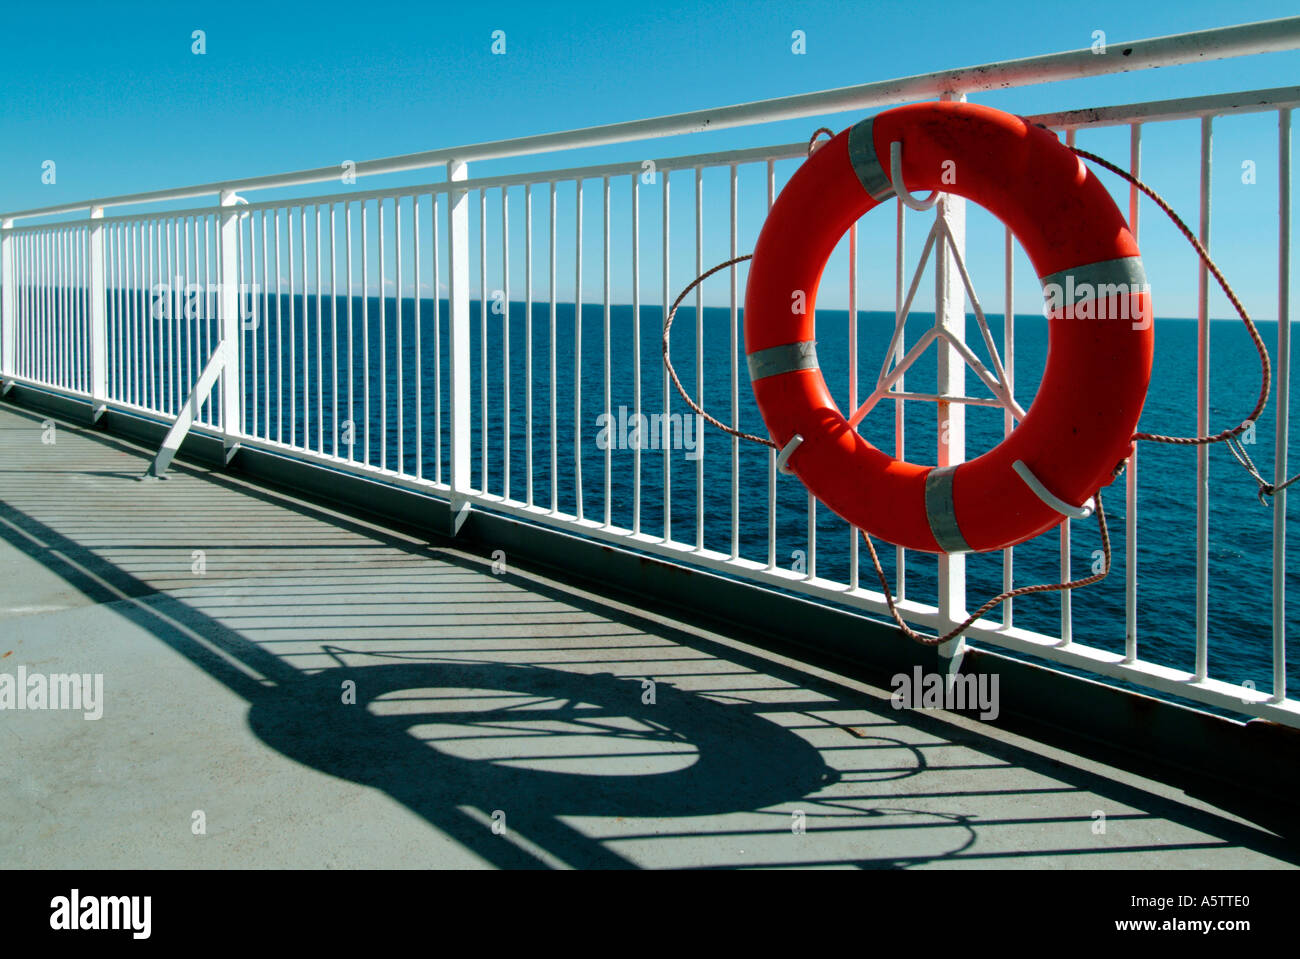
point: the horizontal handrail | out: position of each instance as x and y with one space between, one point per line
1153 111
1267 36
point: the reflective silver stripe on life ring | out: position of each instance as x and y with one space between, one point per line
786 358
940 512
1100 280
862 155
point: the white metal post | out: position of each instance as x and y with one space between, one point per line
231 393
458 330
1283 401
950 315
98 316
8 366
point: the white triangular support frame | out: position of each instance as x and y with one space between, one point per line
995 379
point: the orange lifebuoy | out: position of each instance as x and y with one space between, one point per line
1100 342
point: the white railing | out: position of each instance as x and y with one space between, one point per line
322 324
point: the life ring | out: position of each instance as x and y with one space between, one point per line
1100 341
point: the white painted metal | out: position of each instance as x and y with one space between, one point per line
1283 401
231 396
98 316
8 299
458 333
1203 414
1008 418
950 318
1130 479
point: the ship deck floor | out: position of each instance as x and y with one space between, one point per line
500 718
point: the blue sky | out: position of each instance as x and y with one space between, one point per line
113 94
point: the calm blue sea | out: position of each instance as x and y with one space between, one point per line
1240 551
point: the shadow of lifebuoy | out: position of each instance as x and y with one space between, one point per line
742 761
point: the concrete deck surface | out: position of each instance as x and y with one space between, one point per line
482 699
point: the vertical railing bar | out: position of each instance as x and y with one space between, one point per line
24 334
699 358
505 343
577 349
279 337
211 227
94 252
23 326
382 342
528 344
232 396
1067 596
156 326
63 337
74 308
79 345
266 332
1283 424
293 334
1008 418
75 349
173 266
160 307
900 421
950 419
636 350
86 320
734 338
1202 412
35 360
347 242
365 330
437 343
483 342
70 316
1130 478
334 335
771 452
52 307
47 355
65 269
142 311
609 447
320 353
555 486
64 353
187 337
199 309
853 379
63 344
667 304
419 356
136 327
397 329
150 320
62 333
76 299
112 267
68 306
459 337
306 331
239 322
